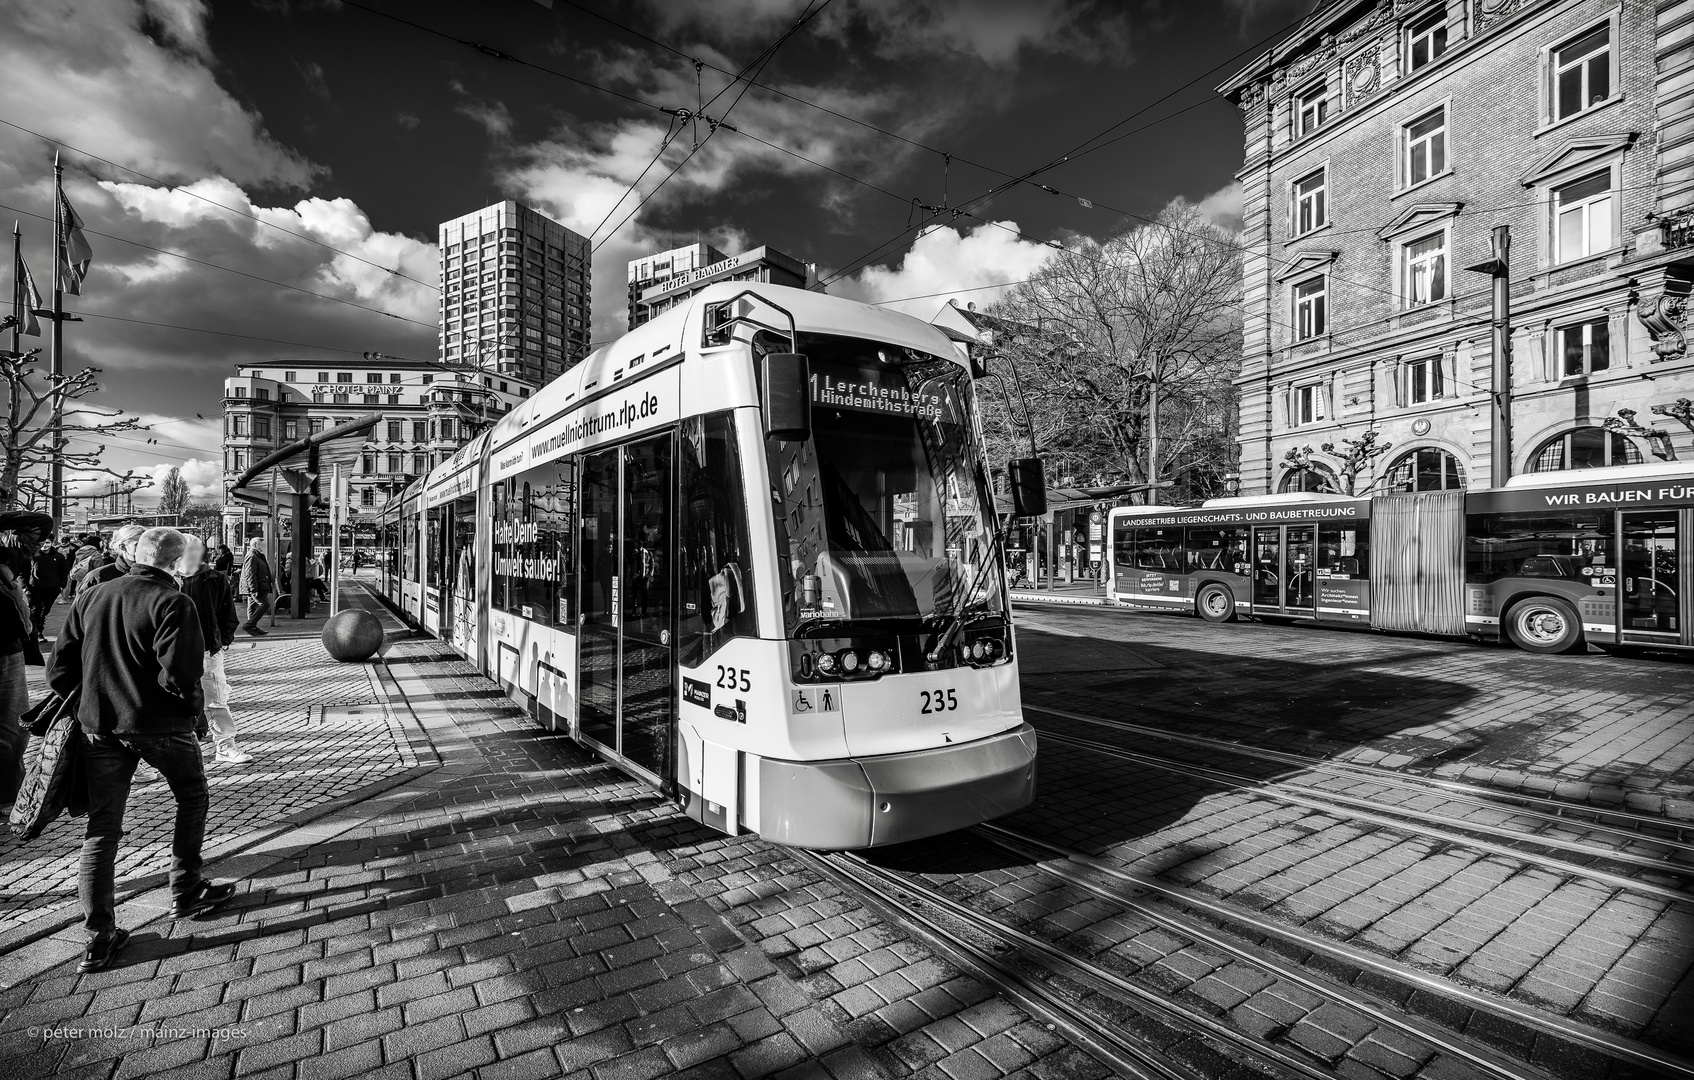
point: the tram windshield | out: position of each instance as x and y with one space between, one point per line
884 515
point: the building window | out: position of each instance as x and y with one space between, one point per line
1582 71
338 399
262 427
367 496
1428 39
394 431
240 428
1310 478
417 463
323 376
240 458
447 430
367 463
316 425
428 378
1314 109
1585 448
394 399
290 378
394 376
1426 146
291 430
1310 209
261 393
1311 315
344 376
1425 469
1424 380
1426 270
373 376
241 391
373 399
1585 348
1582 221
419 432
318 396
1308 406
393 463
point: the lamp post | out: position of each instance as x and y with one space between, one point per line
1498 269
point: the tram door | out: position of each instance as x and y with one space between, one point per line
1655 565
1284 569
626 657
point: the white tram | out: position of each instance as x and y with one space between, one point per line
831 666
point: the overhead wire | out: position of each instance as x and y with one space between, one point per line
213 202
226 269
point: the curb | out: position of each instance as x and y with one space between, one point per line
1046 598
50 940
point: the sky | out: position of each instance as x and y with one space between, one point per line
261 180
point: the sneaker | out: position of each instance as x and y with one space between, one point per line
102 950
203 900
233 757
255 631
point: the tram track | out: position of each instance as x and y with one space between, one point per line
1624 824
1044 978
1128 889
1455 831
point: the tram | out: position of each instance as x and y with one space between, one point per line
1552 561
748 553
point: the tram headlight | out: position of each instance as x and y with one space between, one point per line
826 664
877 661
978 650
849 661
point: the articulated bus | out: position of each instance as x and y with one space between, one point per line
748 553
1552 561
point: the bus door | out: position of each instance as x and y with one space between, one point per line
1655 563
1284 564
626 659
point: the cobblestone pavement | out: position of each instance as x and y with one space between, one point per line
514 908
305 758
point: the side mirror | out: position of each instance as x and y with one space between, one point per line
785 395
1028 480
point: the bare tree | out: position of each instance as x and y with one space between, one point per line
30 440
173 493
1106 327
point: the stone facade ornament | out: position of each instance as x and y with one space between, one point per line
1489 13
1681 409
1658 440
1362 75
1665 316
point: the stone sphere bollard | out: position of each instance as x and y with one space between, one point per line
352 635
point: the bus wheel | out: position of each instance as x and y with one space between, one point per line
1215 603
1543 624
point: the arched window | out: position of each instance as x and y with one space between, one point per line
1310 478
1427 468
1585 448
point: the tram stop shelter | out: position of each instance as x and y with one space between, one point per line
1066 545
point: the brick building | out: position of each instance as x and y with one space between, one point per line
428 412
1385 140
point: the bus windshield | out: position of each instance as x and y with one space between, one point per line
884 514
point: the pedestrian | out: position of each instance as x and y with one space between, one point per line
87 556
19 532
315 576
220 557
258 583
213 599
122 550
134 650
46 580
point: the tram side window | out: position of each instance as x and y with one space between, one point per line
1570 545
409 547
432 549
532 543
1223 550
1159 549
1344 551
715 560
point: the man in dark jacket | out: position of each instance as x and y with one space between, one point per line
133 646
46 581
123 557
258 583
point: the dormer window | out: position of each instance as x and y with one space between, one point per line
1314 108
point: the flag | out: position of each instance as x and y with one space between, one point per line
25 299
74 252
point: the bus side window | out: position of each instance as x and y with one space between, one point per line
1344 550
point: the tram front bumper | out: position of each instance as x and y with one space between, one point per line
851 803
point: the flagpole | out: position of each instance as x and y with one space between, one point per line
56 476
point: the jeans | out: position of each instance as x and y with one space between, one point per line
215 686
40 603
257 606
110 762
14 701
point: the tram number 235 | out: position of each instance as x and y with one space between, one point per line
734 679
939 701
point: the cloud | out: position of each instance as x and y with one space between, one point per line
1224 207
129 81
946 261
407 120
312 73
995 32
